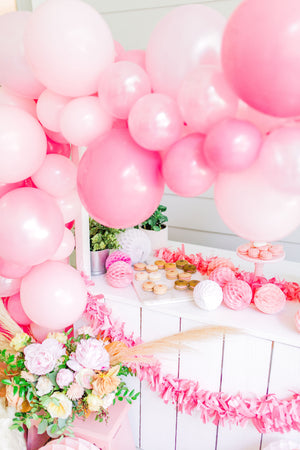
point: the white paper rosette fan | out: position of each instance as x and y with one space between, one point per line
282 445
136 244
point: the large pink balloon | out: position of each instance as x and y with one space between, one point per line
205 97
7 187
69 54
121 85
56 136
66 246
15 73
16 310
53 295
120 183
10 98
186 37
56 176
31 226
12 270
84 119
135 56
232 145
57 148
253 209
260 55
9 286
23 145
49 107
184 167
280 159
69 206
155 122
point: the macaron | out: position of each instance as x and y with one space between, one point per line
185 276
181 263
154 276
139 266
253 252
170 266
265 255
192 284
172 274
148 286
160 289
160 263
180 285
141 276
190 268
151 268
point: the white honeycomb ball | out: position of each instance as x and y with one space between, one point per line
208 295
136 244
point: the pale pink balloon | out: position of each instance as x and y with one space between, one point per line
56 137
9 286
15 72
16 310
184 167
83 120
119 183
69 205
23 144
121 85
261 57
53 295
49 108
56 176
118 49
10 98
205 97
253 209
31 226
69 54
9 269
57 148
66 247
186 37
40 333
232 145
7 187
280 159
155 122
135 56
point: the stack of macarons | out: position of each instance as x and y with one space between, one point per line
261 251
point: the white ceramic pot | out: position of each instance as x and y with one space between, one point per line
98 259
158 238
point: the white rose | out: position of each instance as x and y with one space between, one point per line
61 411
43 386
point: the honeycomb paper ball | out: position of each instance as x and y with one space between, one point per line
219 262
297 320
237 295
117 256
136 244
269 299
208 295
222 275
119 274
69 444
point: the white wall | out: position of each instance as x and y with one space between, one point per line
195 219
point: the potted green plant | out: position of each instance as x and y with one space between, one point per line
102 240
156 227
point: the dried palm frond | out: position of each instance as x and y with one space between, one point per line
8 327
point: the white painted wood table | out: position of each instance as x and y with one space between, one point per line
264 360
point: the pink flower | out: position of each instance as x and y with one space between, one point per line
91 354
73 364
40 359
75 391
64 377
85 378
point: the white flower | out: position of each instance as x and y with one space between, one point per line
63 410
107 400
60 337
19 341
28 376
86 330
43 386
94 402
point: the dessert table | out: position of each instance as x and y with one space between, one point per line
263 359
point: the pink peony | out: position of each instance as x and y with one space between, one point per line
91 354
40 359
64 378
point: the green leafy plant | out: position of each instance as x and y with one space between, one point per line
102 237
156 222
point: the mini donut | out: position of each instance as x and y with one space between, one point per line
154 276
180 285
243 249
192 284
141 276
172 274
190 268
151 268
253 252
265 255
181 263
170 266
160 263
160 289
139 266
185 276
148 286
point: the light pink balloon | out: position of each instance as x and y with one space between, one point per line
121 85
15 72
49 107
10 98
66 246
23 144
280 159
40 333
83 120
53 295
262 121
69 206
261 57
9 269
118 49
16 310
184 167
56 137
155 122
56 176
186 37
31 226
127 176
69 54
7 187
253 209
232 145
135 56
57 148
9 286
205 97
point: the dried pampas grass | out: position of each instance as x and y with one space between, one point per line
8 328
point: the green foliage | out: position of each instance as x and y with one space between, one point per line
102 237
156 222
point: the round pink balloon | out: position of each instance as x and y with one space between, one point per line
49 107
69 206
10 98
66 247
9 269
260 55
40 333
186 37
31 226
280 159
69 54
23 144
83 120
184 167
253 209
119 183
135 56
262 121
16 310
59 149
205 98
9 286
118 49
232 145
121 85
53 295
155 122
56 176
7 187
56 137
15 73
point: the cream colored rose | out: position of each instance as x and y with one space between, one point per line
94 402
19 341
60 337
61 411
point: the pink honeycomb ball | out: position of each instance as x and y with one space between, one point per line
237 295
269 299
119 274
297 320
219 262
222 276
117 256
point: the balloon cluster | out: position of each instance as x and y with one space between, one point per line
214 102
